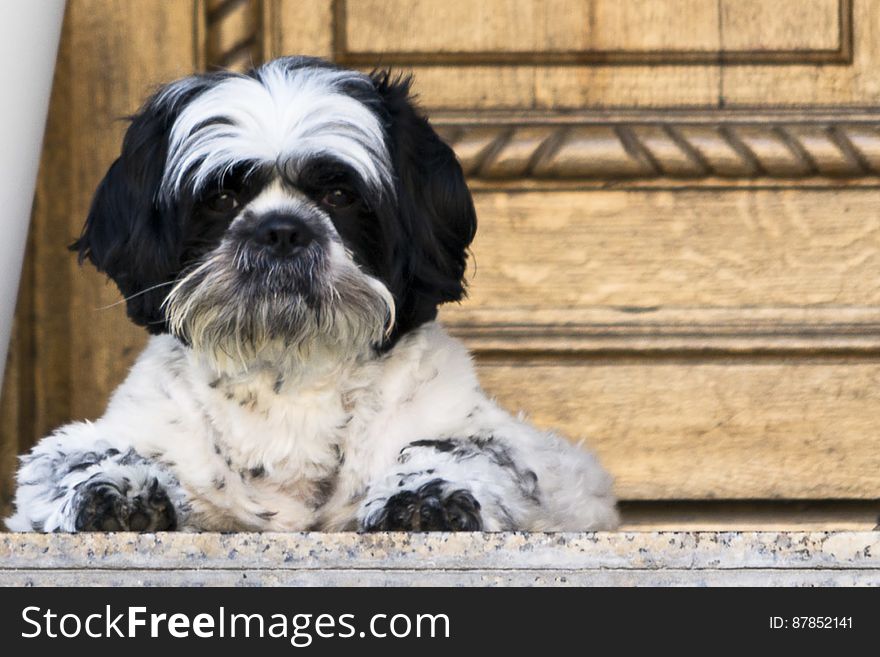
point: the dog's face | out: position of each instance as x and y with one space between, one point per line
298 206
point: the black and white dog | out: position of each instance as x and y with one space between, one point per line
287 235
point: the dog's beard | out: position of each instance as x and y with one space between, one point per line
241 309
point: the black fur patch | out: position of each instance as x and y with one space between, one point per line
324 489
102 506
486 446
428 509
444 445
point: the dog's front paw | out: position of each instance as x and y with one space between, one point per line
103 505
426 509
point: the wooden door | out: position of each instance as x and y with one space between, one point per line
678 257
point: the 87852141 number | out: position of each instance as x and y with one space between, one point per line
811 622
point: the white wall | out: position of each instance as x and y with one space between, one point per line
29 34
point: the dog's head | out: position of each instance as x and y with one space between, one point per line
295 206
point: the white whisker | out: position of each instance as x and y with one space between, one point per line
136 294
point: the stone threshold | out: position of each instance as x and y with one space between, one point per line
845 558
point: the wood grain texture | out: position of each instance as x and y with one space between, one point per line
643 250
143 45
313 28
615 300
559 88
767 54
10 403
854 84
719 428
763 516
524 27
15 411
570 32
797 25
230 33
305 28
762 54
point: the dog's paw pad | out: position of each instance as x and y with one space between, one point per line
428 509
105 506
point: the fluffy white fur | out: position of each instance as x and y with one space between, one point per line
368 410
285 114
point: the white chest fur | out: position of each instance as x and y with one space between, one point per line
277 449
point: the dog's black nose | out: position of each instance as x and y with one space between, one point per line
283 234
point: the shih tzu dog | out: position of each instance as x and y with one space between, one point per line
287 236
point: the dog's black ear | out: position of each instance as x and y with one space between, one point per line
435 209
131 234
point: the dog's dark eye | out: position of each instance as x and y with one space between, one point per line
223 202
338 198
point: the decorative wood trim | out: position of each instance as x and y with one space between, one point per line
846 38
741 144
843 54
674 332
232 33
271 33
751 515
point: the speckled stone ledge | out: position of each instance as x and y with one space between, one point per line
464 559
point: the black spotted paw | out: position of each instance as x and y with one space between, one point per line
107 506
428 509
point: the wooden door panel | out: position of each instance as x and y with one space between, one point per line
585 31
649 250
508 77
677 332
692 427
496 31
555 88
147 45
510 54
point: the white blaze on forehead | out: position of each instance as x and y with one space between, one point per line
276 197
286 114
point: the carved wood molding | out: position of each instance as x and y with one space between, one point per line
232 33
747 144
